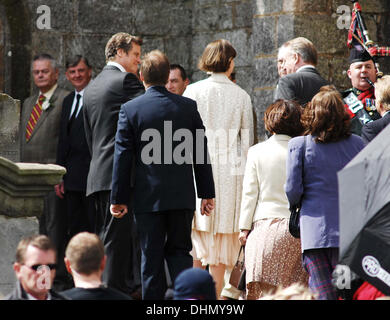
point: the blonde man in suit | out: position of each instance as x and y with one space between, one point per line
39 131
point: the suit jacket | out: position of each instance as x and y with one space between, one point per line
371 129
20 294
164 183
72 151
301 86
102 100
42 146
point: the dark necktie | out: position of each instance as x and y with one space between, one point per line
76 109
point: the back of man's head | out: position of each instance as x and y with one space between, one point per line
155 68
305 48
85 252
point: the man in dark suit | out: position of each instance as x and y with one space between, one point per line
382 92
115 85
163 134
300 79
39 130
73 152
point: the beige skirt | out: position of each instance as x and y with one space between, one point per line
215 249
272 257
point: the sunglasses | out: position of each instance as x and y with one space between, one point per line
35 267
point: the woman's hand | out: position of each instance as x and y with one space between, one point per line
243 236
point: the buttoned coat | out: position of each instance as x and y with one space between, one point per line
42 146
227 114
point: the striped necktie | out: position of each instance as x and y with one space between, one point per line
35 114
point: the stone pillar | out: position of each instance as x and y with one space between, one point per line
9 127
23 187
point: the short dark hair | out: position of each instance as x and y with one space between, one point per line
85 252
216 56
120 40
325 116
284 117
75 60
46 56
40 241
182 71
155 68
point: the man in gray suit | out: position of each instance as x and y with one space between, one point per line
39 131
300 79
115 85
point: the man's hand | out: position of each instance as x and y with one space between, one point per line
118 210
59 189
207 206
243 236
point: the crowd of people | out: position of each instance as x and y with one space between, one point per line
164 183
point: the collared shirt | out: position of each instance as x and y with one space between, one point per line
48 96
116 64
81 93
30 297
304 67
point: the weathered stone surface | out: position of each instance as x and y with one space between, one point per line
244 13
9 128
285 26
177 49
265 73
264 40
268 6
316 6
261 100
12 230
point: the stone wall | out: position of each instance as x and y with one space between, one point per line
182 28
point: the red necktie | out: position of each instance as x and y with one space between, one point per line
35 114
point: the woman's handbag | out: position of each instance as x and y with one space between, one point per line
295 210
293 225
237 276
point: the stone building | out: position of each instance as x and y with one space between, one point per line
182 28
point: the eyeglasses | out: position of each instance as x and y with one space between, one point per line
35 267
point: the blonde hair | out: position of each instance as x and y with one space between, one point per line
85 252
382 92
296 291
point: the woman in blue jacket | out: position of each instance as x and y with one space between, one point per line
312 165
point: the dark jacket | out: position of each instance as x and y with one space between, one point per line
102 100
371 129
300 86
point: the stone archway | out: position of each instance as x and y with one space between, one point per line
15 48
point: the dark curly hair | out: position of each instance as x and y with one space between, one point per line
283 117
325 116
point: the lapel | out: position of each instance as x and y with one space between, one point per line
45 113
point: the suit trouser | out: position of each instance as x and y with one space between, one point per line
163 235
53 223
121 246
80 212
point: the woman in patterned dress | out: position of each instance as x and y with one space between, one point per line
272 255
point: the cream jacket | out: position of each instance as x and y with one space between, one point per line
227 115
263 193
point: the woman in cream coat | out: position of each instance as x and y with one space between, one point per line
272 255
226 111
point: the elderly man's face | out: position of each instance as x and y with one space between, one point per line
358 71
45 77
286 61
36 282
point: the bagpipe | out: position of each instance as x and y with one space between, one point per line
358 35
